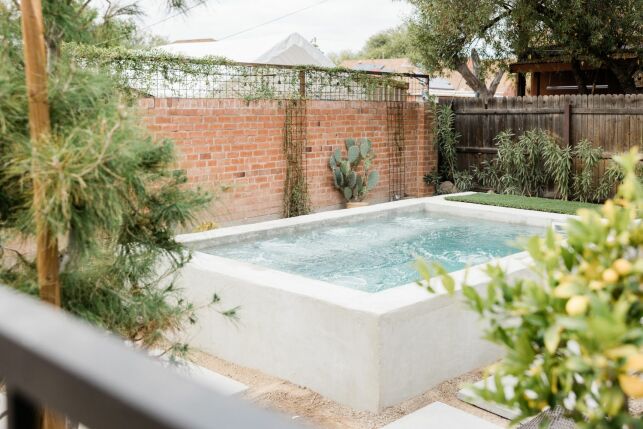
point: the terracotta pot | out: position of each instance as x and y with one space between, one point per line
354 204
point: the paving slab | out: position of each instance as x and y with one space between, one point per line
222 384
467 395
440 416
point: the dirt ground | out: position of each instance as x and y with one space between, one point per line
307 407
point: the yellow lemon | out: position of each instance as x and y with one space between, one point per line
631 385
610 275
577 305
622 266
596 285
634 363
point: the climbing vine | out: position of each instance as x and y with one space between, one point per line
162 74
296 200
159 74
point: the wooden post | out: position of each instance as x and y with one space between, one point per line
35 57
567 124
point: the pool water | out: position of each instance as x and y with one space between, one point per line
377 254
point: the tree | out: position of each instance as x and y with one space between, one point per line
392 43
595 32
446 33
571 329
112 197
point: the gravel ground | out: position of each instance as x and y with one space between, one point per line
305 406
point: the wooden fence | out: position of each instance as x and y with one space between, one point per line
613 122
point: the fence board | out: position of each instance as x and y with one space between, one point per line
613 122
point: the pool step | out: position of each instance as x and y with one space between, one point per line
440 416
467 395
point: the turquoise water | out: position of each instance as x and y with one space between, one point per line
377 254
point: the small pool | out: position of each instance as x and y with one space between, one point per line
377 254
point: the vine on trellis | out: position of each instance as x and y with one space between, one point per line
161 74
296 200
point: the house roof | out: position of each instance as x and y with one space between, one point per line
292 50
449 83
295 50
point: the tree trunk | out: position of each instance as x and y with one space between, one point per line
624 74
39 129
478 85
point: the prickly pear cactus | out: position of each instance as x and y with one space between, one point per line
347 178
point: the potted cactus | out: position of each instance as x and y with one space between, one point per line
346 178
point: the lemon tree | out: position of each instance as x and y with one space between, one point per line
572 332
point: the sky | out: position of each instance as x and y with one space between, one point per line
335 24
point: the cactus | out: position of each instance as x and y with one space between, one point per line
346 178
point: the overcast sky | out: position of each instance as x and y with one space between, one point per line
336 24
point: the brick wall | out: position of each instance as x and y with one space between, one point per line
236 147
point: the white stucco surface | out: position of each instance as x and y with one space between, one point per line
440 416
364 350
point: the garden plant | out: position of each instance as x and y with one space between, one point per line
571 331
354 185
113 195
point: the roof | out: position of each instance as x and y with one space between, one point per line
548 60
292 50
447 84
295 50
389 65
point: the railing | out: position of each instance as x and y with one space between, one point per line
48 358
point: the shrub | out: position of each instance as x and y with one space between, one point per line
446 139
572 331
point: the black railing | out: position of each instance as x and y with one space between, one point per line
49 358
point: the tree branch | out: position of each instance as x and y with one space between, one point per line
471 79
493 86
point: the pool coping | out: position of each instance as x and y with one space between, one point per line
380 302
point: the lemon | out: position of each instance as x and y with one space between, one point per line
596 285
577 305
622 266
631 385
610 275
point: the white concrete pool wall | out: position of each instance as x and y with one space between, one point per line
364 350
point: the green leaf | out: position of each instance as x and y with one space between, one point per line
474 298
349 143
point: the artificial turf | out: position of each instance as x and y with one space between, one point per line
526 203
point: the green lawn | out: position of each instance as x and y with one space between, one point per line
526 203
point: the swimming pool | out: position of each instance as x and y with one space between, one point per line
377 254
365 347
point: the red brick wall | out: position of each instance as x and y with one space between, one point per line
239 145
